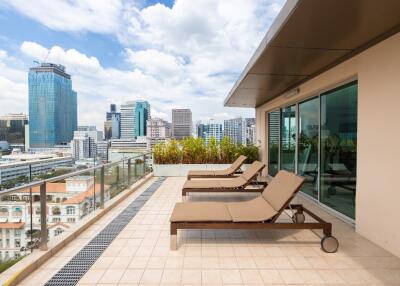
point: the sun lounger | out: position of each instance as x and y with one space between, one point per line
226 173
259 213
243 183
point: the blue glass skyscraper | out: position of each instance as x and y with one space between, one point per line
142 114
52 106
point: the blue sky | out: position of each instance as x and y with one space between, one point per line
172 53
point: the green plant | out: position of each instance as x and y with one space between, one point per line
195 151
4 265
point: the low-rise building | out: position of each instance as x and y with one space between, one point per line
67 203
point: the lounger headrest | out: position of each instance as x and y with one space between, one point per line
238 162
252 170
281 188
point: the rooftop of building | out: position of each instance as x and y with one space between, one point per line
141 255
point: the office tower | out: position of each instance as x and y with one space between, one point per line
112 123
142 114
235 130
181 123
134 116
52 106
158 128
12 128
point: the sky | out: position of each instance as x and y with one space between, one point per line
174 54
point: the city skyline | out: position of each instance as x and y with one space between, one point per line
114 62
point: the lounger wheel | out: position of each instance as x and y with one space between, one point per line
298 218
329 244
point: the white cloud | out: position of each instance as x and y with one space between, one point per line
100 16
185 56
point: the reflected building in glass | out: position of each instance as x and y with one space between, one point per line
52 106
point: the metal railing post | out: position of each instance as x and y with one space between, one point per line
43 217
144 165
102 187
117 174
129 172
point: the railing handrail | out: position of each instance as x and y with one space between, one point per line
62 177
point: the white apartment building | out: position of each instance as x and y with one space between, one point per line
67 203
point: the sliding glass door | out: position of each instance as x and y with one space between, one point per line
288 138
339 148
273 142
320 144
308 145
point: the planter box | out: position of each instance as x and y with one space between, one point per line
181 170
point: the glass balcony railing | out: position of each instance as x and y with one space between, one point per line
37 212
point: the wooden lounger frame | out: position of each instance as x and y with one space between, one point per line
243 189
268 224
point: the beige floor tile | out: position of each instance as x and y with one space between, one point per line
151 276
212 277
250 276
231 276
291 276
171 276
271 276
131 276
112 276
92 276
191 276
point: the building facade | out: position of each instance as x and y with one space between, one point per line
235 129
181 123
134 116
330 116
84 144
67 203
52 106
112 125
12 128
210 130
158 128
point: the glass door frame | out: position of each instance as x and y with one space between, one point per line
296 104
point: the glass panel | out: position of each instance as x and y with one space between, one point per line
339 148
308 145
273 142
288 138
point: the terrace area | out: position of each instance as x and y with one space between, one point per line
140 254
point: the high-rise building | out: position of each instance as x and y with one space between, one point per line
181 123
214 130
142 114
12 128
134 116
158 128
250 131
112 125
81 147
201 130
85 142
102 151
235 130
52 106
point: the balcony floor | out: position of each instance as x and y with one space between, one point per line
140 255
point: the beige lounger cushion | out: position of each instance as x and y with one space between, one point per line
255 210
281 188
252 170
215 184
201 173
226 172
200 211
